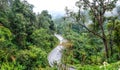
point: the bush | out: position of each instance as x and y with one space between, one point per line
43 39
11 66
32 57
5 34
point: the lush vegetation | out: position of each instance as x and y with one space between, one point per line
26 38
95 36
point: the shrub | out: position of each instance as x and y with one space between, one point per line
32 57
43 39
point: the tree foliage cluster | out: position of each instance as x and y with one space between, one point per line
25 37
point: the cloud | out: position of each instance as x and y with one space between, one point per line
114 11
57 7
52 5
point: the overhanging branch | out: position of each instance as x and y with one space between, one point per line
91 30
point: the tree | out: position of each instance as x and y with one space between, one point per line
21 21
5 6
45 21
97 9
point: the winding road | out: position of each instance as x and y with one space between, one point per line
56 54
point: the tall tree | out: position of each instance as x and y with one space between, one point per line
45 20
97 9
22 21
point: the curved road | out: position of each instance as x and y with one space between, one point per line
56 54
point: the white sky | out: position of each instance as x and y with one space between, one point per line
53 6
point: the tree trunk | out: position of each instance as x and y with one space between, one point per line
104 37
106 48
105 43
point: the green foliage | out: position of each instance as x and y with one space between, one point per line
32 58
117 33
113 66
43 39
4 19
85 49
22 32
5 34
94 40
6 38
26 38
45 21
115 37
11 66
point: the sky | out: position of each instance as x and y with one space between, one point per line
57 7
113 12
53 6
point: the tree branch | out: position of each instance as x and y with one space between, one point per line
91 30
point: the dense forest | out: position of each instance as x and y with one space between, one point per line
26 38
